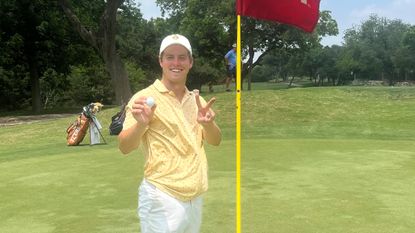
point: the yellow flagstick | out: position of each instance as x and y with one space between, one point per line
238 125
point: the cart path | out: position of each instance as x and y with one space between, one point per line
18 120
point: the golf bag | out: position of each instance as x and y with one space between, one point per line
77 130
117 121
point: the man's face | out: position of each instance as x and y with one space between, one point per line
176 63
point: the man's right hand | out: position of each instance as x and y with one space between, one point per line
142 113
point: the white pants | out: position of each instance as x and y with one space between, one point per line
162 213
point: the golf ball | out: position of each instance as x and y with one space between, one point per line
150 101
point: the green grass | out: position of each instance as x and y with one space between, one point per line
313 160
331 185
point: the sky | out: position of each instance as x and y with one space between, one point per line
347 13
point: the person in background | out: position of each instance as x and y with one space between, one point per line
172 133
230 61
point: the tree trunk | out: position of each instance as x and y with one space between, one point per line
251 53
291 81
104 42
112 59
30 35
35 85
119 78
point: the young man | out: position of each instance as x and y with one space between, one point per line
230 61
172 133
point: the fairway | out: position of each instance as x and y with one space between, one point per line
339 159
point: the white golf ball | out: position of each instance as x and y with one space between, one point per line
150 101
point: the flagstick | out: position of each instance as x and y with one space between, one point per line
238 126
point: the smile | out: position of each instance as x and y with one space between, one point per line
175 70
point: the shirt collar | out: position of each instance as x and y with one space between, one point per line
160 86
162 89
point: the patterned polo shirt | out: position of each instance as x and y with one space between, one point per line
175 159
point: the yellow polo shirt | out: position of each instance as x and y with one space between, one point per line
175 159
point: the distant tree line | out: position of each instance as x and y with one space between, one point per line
75 52
378 49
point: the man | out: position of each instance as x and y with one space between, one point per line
172 133
230 61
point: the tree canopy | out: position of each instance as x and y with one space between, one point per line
75 52
378 49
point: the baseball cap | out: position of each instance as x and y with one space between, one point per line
175 39
234 45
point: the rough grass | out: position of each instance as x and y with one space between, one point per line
313 160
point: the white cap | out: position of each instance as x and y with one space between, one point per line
234 45
175 39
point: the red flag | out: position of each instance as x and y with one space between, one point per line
303 14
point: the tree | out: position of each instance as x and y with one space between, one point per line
328 67
404 58
103 40
263 37
294 53
34 44
375 45
202 22
138 45
212 25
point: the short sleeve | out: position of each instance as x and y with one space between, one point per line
129 119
